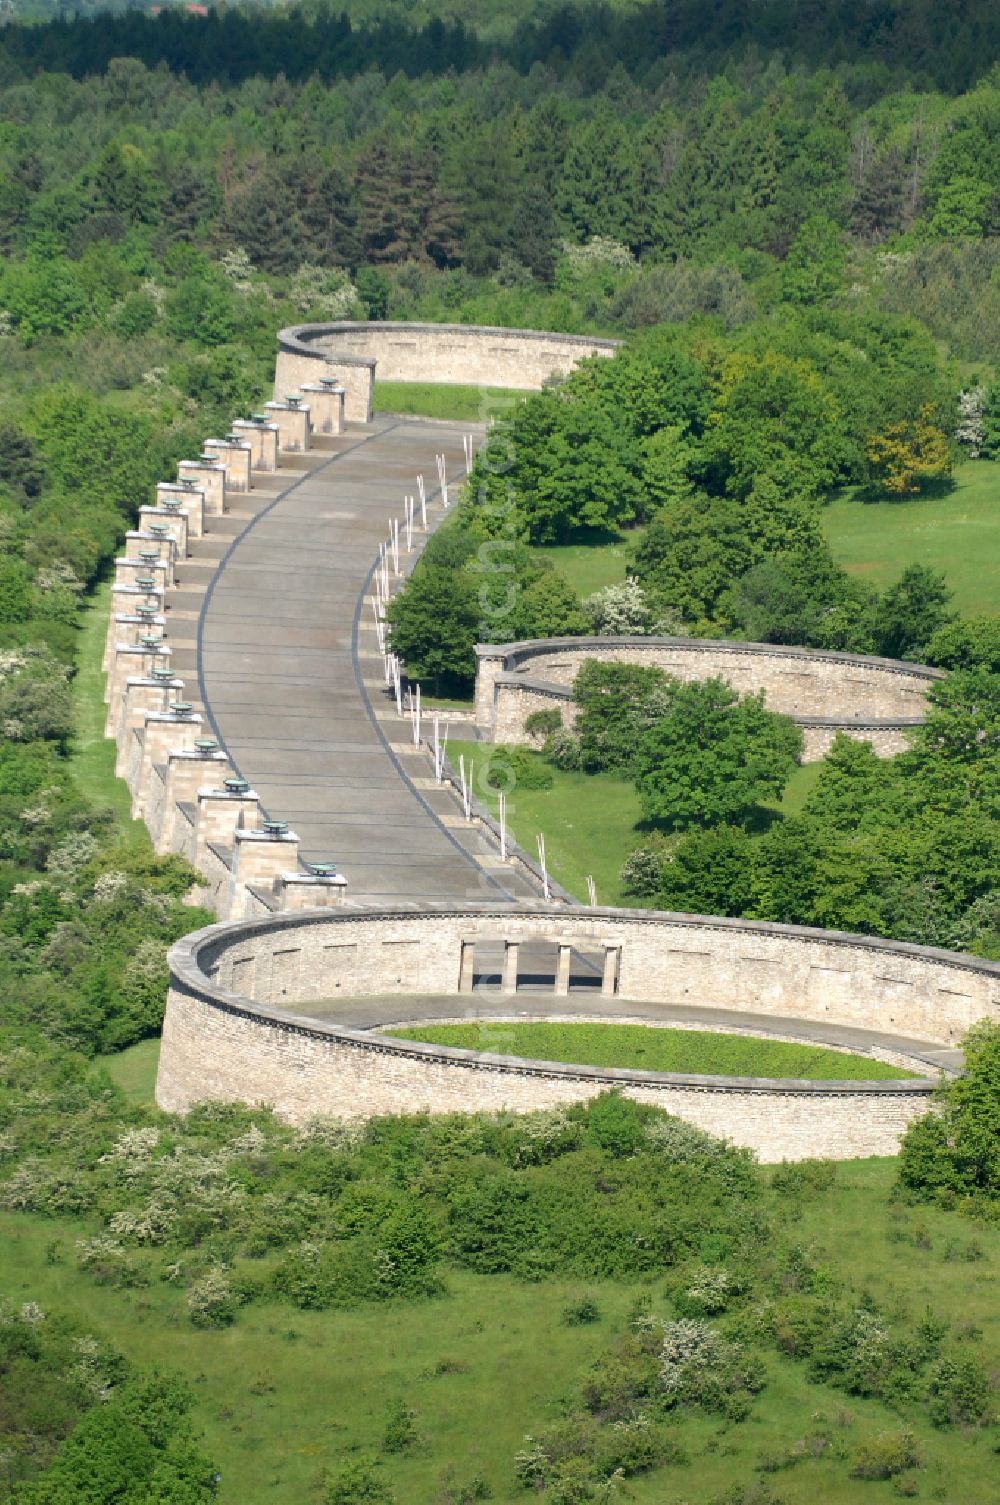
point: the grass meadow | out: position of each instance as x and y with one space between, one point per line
648 1048
445 400
591 821
91 754
957 533
284 1395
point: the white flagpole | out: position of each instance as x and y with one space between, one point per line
397 685
437 749
541 860
465 785
408 504
591 889
468 797
503 827
423 502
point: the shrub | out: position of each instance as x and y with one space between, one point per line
358 1482
642 871
563 749
698 1365
581 1312
960 1393
213 1301
954 1147
400 1428
511 767
619 610
884 1456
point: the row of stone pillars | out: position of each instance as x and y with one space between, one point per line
508 980
182 784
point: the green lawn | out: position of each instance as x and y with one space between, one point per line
591 822
588 821
958 534
92 755
445 400
134 1069
284 1394
648 1048
590 566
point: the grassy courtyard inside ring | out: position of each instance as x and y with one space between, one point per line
647 1047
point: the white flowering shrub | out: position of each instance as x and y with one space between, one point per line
693 1354
36 1185
701 1367
108 1262
710 1291
109 887
335 1134
330 293
598 251
213 1301
237 264
67 860
969 429
91 1370
619 610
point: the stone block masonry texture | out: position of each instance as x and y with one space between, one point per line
879 701
355 354
232 1031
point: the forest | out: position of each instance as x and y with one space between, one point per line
791 214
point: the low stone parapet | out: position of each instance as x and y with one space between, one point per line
876 700
186 497
236 456
209 476
291 419
262 437
326 405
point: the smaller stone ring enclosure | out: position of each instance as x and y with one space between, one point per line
877 700
232 1029
474 354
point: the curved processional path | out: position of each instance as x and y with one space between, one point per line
293 682
275 614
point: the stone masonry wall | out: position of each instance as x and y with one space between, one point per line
515 699
210 1052
469 354
231 1030
875 699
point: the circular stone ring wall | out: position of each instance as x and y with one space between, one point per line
471 354
879 700
234 1030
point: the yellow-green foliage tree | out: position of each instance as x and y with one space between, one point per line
907 455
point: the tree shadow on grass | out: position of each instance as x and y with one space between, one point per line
757 823
875 496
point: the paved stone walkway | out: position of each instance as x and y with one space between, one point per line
291 680
378 1012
